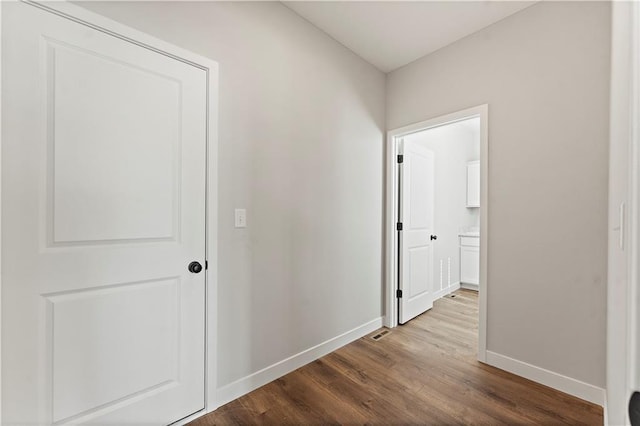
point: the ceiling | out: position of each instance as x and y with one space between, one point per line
390 34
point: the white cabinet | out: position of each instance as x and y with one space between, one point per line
473 184
469 262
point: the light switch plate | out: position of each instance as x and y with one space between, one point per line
241 218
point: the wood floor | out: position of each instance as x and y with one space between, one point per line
424 372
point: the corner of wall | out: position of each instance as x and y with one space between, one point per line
260 378
549 378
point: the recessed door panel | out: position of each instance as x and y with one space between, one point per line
419 270
114 164
114 343
420 210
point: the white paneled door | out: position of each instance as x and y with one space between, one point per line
417 235
103 210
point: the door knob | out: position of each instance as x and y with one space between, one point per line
195 267
434 237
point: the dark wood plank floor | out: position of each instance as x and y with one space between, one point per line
424 372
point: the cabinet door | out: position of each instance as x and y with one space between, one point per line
470 265
473 184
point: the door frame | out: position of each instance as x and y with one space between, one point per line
391 257
85 17
623 283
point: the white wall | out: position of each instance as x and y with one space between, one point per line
453 146
545 74
301 147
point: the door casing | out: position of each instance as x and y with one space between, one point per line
100 23
623 287
391 257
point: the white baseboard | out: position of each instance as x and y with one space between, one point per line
470 286
441 293
246 384
557 381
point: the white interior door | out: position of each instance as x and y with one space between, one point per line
103 209
417 212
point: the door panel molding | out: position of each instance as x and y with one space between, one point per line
65 333
69 155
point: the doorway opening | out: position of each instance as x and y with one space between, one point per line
437 215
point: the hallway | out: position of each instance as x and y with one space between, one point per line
424 372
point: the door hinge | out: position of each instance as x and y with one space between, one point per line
398 294
400 158
399 226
